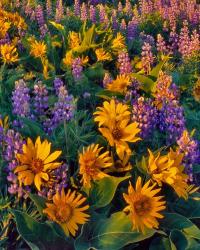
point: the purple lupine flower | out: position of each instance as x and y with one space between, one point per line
102 13
133 92
114 20
77 68
123 27
48 8
184 41
63 110
77 8
147 39
194 43
57 84
21 99
171 120
40 20
40 99
132 29
59 11
5 40
190 148
124 63
145 113
128 8
173 40
84 14
107 79
92 13
161 45
147 57
120 7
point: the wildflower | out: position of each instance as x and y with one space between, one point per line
8 53
116 130
57 25
147 57
35 162
67 210
143 206
92 162
74 40
168 169
38 49
196 91
124 63
118 43
67 60
77 68
111 112
120 84
102 55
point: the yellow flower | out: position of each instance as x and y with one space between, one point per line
111 112
121 166
118 43
35 163
196 91
4 122
74 40
38 49
102 55
4 27
67 210
168 169
114 125
9 53
120 84
67 60
92 162
143 206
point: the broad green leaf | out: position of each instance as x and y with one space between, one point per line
173 221
161 243
112 233
39 202
95 72
39 235
107 94
189 208
103 191
147 83
179 239
155 71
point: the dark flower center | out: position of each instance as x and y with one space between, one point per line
37 165
117 133
142 206
64 213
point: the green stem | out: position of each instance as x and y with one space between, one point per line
1 83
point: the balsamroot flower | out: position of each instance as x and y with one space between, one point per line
143 206
38 49
120 84
8 54
116 130
35 163
118 43
102 55
92 162
169 169
67 210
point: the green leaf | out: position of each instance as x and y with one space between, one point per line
39 235
189 208
103 191
39 202
155 71
147 83
176 221
112 233
179 239
107 94
95 72
161 243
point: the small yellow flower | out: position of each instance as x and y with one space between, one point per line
8 53
102 55
4 122
35 163
38 49
74 40
67 210
143 205
67 60
196 91
120 84
92 162
118 43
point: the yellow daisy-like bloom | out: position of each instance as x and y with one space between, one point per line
68 211
38 49
120 166
196 91
102 55
120 84
67 60
35 163
143 206
168 169
118 43
4 27
74 40
92 162
8 53
111 112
